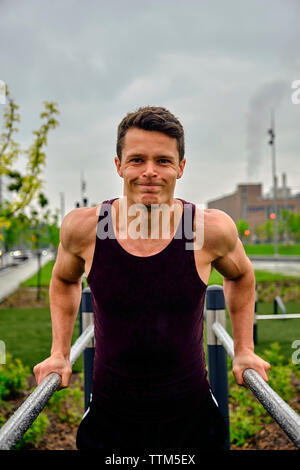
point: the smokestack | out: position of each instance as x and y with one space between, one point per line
284 180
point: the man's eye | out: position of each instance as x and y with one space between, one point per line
134 159
164 160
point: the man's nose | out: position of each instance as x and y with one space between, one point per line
150 169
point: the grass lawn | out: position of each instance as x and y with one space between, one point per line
268 249
283 332
27 334
260 276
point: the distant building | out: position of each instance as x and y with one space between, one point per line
249 203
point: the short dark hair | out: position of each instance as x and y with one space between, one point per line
152 118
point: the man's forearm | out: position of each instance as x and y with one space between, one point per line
64 305
240 301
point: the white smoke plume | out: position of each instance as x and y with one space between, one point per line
267 100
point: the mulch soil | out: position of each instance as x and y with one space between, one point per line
28 297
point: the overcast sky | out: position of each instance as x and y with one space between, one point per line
219 66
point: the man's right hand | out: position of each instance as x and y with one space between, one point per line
57 364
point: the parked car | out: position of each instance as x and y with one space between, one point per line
19 255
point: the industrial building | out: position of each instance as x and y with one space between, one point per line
249 203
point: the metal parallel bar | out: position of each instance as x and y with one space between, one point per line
224 338
278 316
280 411
16 426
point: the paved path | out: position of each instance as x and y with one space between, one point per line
11 278
288 268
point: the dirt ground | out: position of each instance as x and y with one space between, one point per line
27 297
63 437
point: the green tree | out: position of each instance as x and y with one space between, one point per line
293 224
44 232
288 227
51 238
16 233
23 187
242 228
261 232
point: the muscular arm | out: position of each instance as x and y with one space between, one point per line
239 292
65 294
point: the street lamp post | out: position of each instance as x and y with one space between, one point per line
272 143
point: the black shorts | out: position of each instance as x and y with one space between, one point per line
204 430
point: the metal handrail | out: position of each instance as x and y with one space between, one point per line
280 411
12 431
278 316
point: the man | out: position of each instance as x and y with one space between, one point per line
150 389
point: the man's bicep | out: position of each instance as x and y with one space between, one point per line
68 267
234 263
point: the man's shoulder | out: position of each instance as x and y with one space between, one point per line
78 228
220 232
218 217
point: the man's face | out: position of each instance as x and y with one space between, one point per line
150 167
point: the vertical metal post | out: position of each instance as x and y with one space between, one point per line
275 306
275 203
87 318
217 356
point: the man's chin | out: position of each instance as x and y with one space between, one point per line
148 200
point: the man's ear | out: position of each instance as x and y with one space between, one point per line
118 166
181 168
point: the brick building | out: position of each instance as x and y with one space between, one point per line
249 203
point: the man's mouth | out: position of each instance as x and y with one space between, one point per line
154 185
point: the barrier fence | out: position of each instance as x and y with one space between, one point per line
278 304
219 344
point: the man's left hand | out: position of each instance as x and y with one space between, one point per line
249 360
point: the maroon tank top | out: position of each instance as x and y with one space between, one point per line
148 314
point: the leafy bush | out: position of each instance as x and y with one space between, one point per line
67 404
243 427
247 415
13 381
13 377
2 420
280 373
34 433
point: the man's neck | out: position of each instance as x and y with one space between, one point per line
148 222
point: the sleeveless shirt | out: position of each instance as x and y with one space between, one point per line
149 363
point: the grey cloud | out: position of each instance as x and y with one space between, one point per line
206 61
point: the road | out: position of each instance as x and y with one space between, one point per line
11 277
